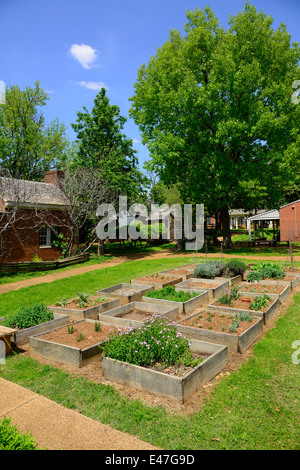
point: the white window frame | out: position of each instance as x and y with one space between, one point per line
47 237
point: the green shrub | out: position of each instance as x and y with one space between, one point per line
230 295
12 439
254 276
27 317
157 341
234 267
265 270
209 269
259 302
169 293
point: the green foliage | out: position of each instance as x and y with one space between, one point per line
230 295
169 293
83 299
12 439
28 147
157 341
214 108
265 270
234 267
62 303
102 145
209 269
27 317
70 329
97 326
259 302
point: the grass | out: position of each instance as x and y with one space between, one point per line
6 278
255 408
89 282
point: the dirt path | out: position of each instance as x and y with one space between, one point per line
121 259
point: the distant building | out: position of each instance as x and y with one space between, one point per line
289 215
31 215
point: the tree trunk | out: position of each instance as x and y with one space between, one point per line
225 220
100 248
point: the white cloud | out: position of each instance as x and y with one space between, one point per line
85 54
2 92
92 85
135 141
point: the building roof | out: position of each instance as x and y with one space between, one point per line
267 215
28 194
290 203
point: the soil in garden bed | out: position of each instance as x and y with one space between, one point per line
288 278
126 291
177 370
87 329
136 314
93 301
217 322
204 285
158 278
262 288
181 271
245 305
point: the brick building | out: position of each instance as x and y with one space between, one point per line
289 215
32 214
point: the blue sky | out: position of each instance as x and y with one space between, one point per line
73 46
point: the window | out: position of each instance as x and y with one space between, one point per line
45 237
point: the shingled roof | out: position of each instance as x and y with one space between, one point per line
28 194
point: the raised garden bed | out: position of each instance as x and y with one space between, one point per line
158 281
91 309
126 293
280 288
176 380
61 345
220 328
213 286
184 272
231 280
243 305
134 313
21 336
186 301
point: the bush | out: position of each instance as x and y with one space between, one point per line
27 317
209 269
169 293
157 341
254 276
234 267
12 439
265 270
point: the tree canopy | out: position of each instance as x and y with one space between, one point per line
102 145
28 146
214 108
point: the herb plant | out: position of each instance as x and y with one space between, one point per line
157 341
27 317
169 293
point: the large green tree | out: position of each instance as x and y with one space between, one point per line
214 108
102 145
28 146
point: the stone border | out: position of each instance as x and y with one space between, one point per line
212 292
236 343
62 352
114 316
22 336
282 296
87 313
179 389
183 307
267 315
125 299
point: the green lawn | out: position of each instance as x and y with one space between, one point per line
255 408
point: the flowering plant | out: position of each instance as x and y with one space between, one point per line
157 341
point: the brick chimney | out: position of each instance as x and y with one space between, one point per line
54 177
